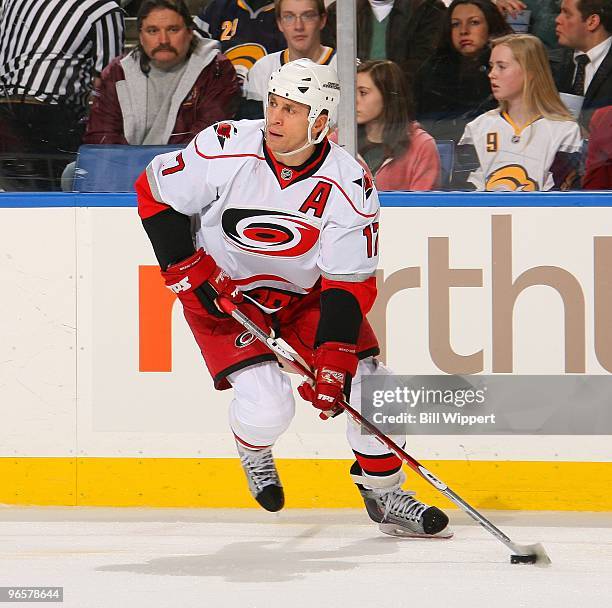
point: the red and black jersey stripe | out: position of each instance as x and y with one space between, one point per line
380 465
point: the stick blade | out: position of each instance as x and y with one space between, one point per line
530 554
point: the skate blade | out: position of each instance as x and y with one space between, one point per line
399 532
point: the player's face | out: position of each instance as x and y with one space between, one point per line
286 124
506 75
369 99
469 30
571 30
165 38
301 25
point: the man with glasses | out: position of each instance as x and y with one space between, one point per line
301 22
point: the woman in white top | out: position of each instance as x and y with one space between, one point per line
530 142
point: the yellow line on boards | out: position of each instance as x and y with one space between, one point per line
220 483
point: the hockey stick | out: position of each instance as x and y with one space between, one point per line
521 554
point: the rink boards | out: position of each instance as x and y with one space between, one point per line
104 398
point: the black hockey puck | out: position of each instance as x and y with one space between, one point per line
523 559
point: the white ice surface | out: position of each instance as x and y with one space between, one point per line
183 558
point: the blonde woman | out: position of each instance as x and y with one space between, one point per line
530 142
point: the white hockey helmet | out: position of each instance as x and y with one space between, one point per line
312 84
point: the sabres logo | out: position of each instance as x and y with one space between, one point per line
269 232
511 178
244 56
224 131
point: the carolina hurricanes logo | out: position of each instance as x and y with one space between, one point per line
268 232
366 183
286 174
244 339
224 131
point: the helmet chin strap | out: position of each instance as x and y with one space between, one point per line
309 142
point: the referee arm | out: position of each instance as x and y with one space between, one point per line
109 39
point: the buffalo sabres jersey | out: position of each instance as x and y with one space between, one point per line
514 158
246 34
256 86
270 226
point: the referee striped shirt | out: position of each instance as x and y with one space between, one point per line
50 49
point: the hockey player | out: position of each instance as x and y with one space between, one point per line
286 227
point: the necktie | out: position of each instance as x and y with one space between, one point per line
578 86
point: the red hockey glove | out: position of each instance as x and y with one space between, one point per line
335 365
198 282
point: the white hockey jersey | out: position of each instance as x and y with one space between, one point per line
258 78
518 159
266 224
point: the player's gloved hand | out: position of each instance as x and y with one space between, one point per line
335 365
198 282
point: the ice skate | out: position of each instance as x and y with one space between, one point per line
261 473
396 511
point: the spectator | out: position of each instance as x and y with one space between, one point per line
543 13
301 22
531 142
246 29
598 171
50 52
403 31
400 155
171 86
584 67
452 88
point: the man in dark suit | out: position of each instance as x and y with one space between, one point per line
404 31
584 66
